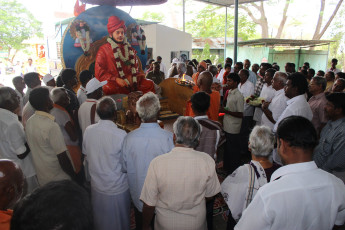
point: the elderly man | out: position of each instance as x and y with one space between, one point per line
329 154
11 190
141 146
46 141
339 86
87 111
102 144
70 204
267 93
175 186
118 64
155 75
318 102
13 144
272 110
300 195
69 131
32 80
181 71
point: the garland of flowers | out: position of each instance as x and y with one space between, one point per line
128 59
84 46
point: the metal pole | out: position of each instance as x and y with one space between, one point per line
235 31
184 16
226 30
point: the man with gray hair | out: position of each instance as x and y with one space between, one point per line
318 102
109 187
272 110
141 146
13 144
181 70
178 182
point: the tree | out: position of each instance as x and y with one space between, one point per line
253 8
153 16
16 25
210 22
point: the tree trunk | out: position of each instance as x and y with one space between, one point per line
264 23
318 35
283 21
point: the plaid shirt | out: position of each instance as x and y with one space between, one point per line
258 86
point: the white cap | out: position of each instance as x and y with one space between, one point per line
47 78
93 85
175 60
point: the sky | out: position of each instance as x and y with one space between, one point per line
305 11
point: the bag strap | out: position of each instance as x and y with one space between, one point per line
251 185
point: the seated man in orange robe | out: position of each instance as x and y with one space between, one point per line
204 83
117 63
11 190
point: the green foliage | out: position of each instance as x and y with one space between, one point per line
153 16
16 25
210 22
206 54
337 34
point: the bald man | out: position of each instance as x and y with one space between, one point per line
11 189
204 83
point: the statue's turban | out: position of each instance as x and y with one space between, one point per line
114 23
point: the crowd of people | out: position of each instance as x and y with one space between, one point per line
66 164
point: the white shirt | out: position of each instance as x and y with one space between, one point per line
299 196
84 114
234 103
221 73
296 106
102 146
247 89
277 106
252 77
12 142
267 93
163 68
30 68
62 118
333 70
20 101
81 95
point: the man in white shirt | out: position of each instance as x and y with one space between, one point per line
221 73
13 143
32 80
252 76
247 89
300 195
272 110
84 77
175 185
162 66
141 146
19 85
297 105
109 187
267 93
334 66
87 111
30 68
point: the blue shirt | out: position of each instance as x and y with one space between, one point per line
139 148
329 154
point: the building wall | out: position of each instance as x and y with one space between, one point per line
316 58
163 40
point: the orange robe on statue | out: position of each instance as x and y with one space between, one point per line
213 110
106 70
